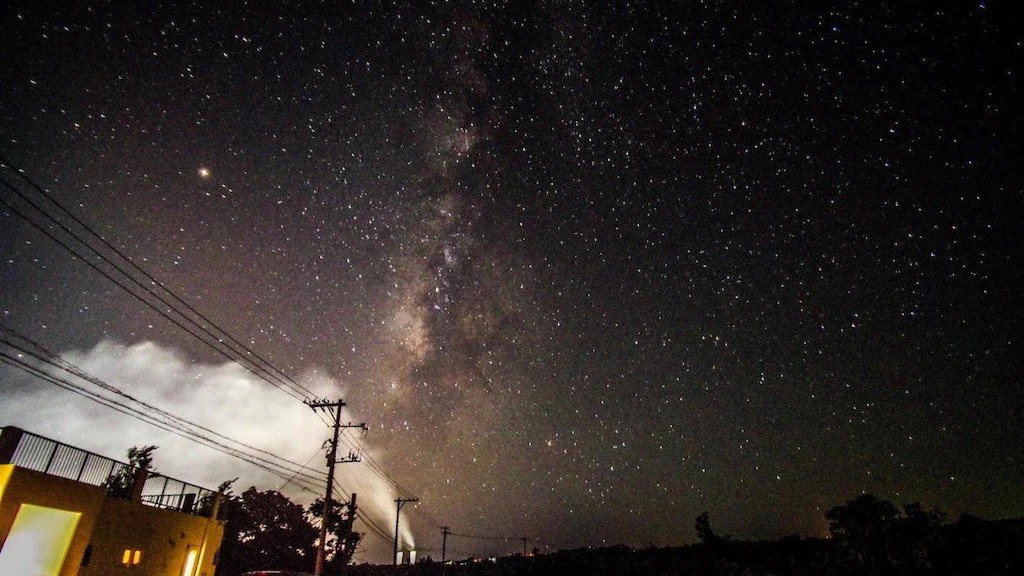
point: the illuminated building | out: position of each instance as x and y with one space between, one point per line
59 515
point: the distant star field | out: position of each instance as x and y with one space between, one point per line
585 271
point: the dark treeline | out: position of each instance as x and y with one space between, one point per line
870 537
265 530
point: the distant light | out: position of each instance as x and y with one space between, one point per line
203 172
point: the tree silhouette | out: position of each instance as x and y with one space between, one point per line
120 483
342 540
265 531
703 527
863 527
876 539
916 536
205 505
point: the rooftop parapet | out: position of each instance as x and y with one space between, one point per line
34 452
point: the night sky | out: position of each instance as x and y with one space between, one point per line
585 271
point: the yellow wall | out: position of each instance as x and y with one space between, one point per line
19 485
164 537
111 525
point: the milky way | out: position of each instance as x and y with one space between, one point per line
585 272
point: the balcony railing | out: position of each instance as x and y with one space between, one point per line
41 454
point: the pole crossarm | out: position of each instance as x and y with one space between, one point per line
332 459
398 513
324 403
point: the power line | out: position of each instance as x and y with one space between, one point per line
175 426
220 340
376 468
162 420
374 527
377 530
146 302
15 362
40 352
217 339
399 502
260 368
273 468
421 510
483 537
332 460
288 481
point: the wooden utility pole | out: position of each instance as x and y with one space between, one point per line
400 502
444 541
332 459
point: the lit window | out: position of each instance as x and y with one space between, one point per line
131 557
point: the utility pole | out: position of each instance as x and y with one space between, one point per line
444 541
332 459
400 502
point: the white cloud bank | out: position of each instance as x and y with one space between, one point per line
222 397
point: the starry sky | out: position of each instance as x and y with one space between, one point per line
585 271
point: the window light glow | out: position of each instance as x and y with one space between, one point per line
38 541
131 557
190 562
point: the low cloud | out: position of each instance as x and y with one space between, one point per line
224 398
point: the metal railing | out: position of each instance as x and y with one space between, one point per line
34 452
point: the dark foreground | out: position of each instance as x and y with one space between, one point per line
969 547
